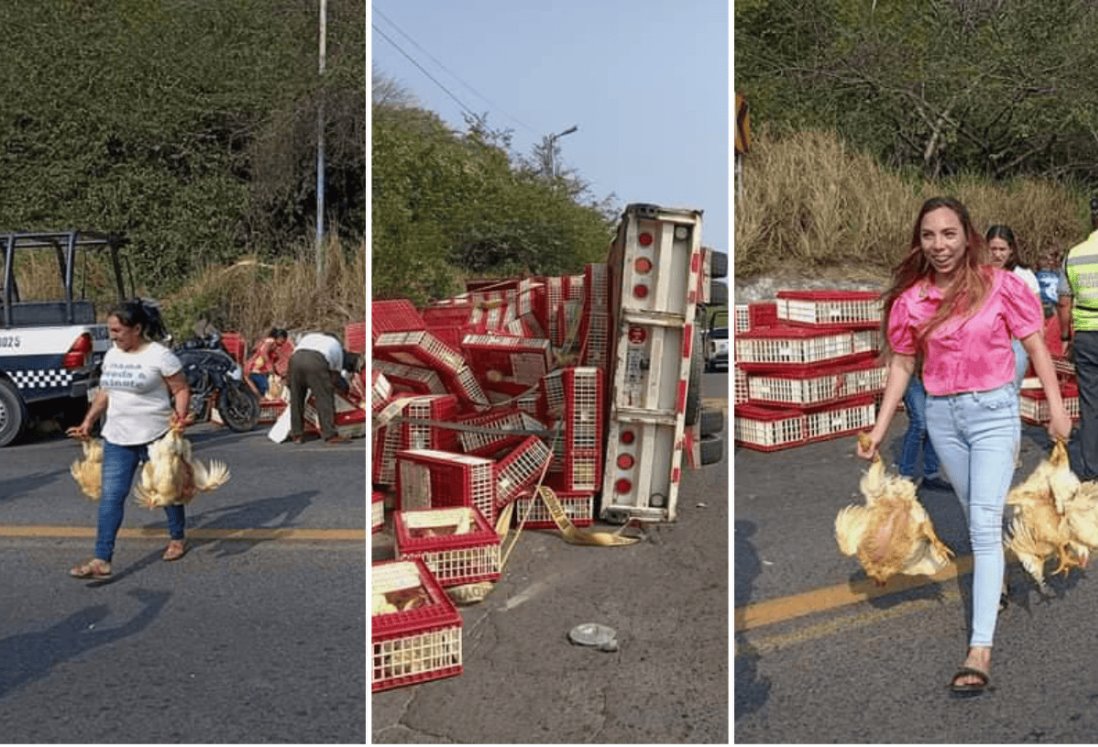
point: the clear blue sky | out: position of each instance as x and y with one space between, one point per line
646 81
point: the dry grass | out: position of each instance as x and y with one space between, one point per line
248 296
810 203
251 296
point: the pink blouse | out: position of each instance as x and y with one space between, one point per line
973 354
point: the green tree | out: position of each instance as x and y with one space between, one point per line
447 205
188 126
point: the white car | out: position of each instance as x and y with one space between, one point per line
715 348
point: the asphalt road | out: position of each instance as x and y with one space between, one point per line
821 656
667 598
256 635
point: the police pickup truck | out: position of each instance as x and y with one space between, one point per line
55 291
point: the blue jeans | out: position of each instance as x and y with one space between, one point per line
915 439
260 381
1021 363
976 435
119 465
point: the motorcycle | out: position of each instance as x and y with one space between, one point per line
216 378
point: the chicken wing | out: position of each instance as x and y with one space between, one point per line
892 533
173 475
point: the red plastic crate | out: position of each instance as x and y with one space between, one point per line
579 507
519 470
455 559
1033 405
235 345
808 386
414 645
410 378
574 398
830 309
438 479
398 315
438 407
354 337
768 428
377 511
349 420
761 314
380 391
418 348
840 419
773 349
496 435
386 442
739 387
448 314
520 359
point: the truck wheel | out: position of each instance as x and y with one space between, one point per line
694 381
712 449
718 293
718 264
712 421
13 413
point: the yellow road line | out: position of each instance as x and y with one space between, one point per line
762 645
760 614
198 533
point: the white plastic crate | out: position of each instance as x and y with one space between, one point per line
739 386
742 317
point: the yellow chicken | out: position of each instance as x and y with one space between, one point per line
1054 514
88 472
173 475
892 533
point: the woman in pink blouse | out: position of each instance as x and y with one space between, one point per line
961 314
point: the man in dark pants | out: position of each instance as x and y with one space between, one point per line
1078 312
315 366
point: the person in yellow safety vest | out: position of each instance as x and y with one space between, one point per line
1078 313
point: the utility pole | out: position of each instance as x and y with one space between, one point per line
320 147
552 150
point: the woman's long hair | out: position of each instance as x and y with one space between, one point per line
143 311
965 294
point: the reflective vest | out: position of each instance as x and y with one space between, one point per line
1081 267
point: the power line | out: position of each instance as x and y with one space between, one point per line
411 59
456 77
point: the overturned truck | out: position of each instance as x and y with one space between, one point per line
590 383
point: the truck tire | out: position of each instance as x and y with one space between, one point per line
712 449
694 382
13 413
718 293
712 422
718 264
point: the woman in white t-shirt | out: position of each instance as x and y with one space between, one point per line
1003 249
143 392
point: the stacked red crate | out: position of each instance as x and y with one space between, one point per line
806 368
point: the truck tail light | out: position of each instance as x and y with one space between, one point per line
643 265
79 353
644 238
628 437
640 291
623 486
625 461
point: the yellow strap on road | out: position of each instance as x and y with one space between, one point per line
576 536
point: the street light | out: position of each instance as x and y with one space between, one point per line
552 149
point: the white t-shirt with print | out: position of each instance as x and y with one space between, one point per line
139 406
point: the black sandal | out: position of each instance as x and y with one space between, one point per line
969 688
